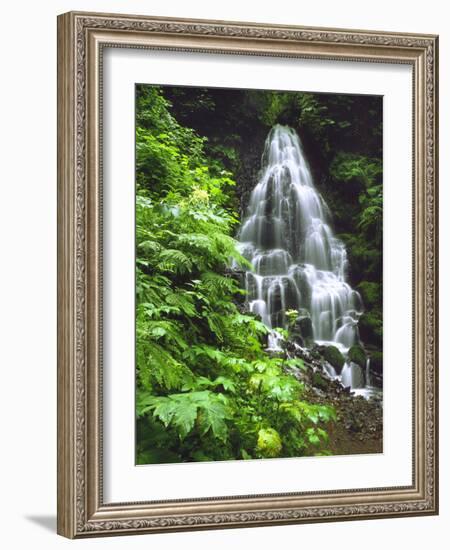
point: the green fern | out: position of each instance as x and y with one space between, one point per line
206 388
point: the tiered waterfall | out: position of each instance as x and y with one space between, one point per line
298 263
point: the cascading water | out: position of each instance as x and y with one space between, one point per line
297 261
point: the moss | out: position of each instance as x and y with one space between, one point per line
319 381
334 357
370 293
357 355
371 328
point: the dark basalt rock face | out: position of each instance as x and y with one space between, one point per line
249 169
302 332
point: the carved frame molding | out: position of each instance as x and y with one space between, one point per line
81 38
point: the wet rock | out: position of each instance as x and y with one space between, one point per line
334 357
319 381
329 370
315 352
302 331
304 325
357 355
371 328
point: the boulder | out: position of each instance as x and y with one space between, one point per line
305 327
320 381
334 357
357 355
371 328
302 331
370 293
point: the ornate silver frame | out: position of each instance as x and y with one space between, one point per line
81 37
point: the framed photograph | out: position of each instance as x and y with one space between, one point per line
247 288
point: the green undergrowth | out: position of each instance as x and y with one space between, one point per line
206 389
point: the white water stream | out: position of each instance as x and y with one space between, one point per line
298 263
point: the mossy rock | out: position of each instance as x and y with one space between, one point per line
320 381
357 355
371 328
315 352
370 293
334 357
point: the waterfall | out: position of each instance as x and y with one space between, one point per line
368 377
352 376
298 263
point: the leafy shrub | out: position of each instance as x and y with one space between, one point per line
206 388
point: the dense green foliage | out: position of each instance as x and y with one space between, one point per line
206 387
